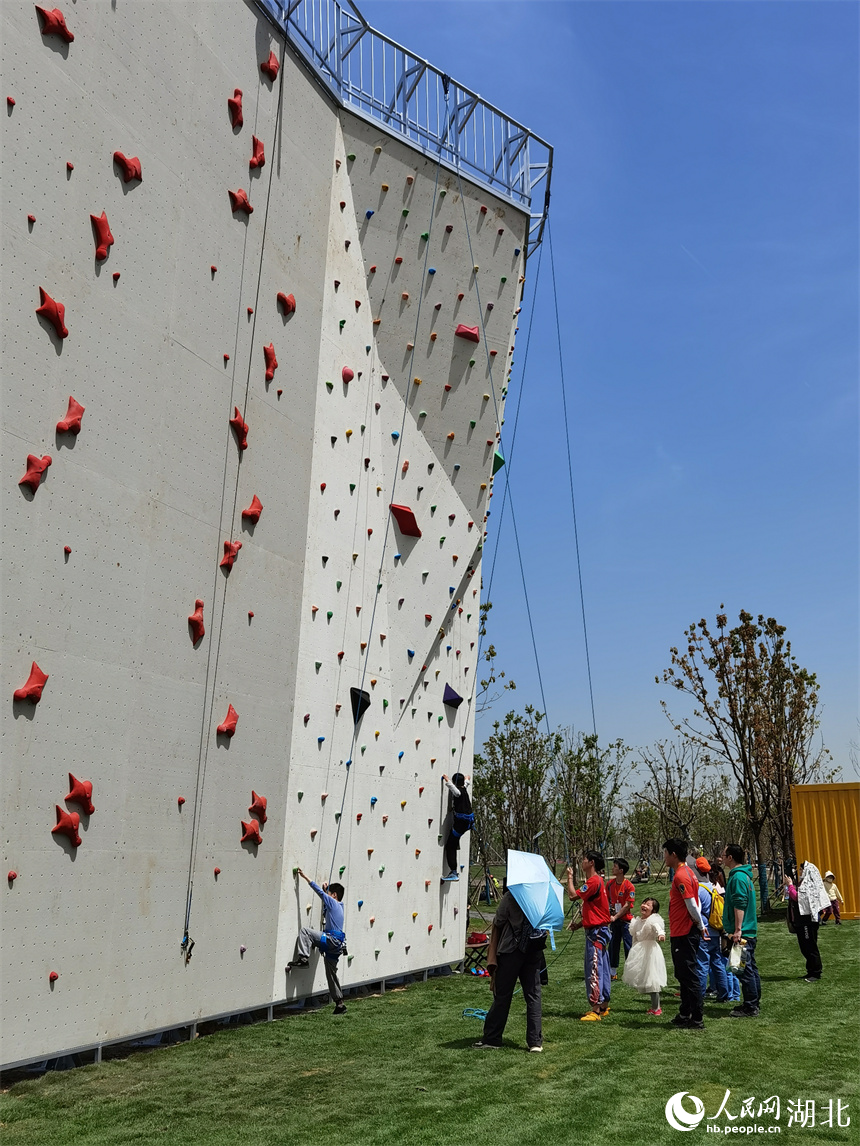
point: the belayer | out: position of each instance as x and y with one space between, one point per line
331 941
463 820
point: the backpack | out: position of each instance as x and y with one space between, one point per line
715 915
529 938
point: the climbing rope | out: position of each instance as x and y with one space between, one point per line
214 652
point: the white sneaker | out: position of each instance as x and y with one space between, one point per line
535 1050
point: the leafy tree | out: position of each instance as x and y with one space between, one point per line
642 824
510 788
489 690
755 711
586 785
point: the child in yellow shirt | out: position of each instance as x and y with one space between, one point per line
834 895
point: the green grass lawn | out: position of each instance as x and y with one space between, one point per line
398 1069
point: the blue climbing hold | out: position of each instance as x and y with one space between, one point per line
320 739
368 214
516 250
431 270
400 754
395 434
360 904
373 800
450 589
410 652
456 465
396 556
348 762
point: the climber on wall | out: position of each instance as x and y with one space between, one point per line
331 941
463 821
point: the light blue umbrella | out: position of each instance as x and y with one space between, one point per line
537 891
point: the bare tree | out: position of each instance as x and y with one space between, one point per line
676 776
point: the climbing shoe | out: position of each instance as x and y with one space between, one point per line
298 963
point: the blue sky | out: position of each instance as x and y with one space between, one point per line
705 233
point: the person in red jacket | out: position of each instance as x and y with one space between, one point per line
687 929
595 920
622 896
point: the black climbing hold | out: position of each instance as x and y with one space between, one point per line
360 701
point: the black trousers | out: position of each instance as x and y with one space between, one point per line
685 960
807 938
525 966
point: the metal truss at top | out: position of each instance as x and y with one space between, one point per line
378 78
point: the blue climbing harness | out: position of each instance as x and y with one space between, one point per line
333 944
462 823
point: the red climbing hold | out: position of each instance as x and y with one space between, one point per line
53 977
258 157
228 727
81 793
252 513
9 101
104 238
35 468
405 519
258 806
130 168
12 876
32 689
67 825
195 622
347 374
271 361
469 332
239 202
53 311
234 106
287 302
217 871
271 67
54 23
231 551
240 428
251 833
71 424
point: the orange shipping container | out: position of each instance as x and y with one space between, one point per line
827 831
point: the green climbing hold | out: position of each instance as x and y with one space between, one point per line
351 157
472 423
342 323
362 427
342 870
442 193
330 385
432 508
471 361
422 413
440 719
352 487
425 235
338 584
300 794
453 751
337 817
405 212
363 749
385 704
498 462
390 933
441 540
504 278
319 665
329 614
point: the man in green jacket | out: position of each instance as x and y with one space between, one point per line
739 922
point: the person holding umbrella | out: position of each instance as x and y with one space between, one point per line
531 904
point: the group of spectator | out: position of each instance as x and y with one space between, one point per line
713 933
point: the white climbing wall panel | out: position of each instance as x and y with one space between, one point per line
165 340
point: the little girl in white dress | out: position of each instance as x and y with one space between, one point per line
645 965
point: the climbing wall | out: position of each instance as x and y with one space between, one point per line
238 325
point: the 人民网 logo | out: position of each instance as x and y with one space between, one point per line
678 1116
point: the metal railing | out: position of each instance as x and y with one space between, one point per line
381 80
